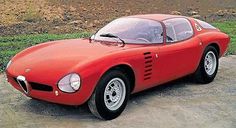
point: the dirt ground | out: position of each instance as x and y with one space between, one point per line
68 16
177 104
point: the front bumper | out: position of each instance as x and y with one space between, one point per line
48 93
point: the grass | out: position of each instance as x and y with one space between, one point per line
9 46
229 27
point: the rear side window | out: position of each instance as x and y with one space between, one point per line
178 29
205 24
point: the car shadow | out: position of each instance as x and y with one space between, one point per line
39 107
166 89
44 108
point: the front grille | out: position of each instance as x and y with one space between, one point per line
35 86
40 87
23 85
20 80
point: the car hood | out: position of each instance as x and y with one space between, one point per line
60 56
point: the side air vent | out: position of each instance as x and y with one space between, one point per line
147 65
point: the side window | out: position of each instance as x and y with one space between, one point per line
150 31
178 29
205 24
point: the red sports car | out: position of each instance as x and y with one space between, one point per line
128 55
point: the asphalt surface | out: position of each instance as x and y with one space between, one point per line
179 104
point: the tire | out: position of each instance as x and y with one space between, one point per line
206 72
112 104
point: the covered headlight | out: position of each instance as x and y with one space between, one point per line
8 64
70 83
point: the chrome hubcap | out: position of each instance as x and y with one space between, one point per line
210 63
114 94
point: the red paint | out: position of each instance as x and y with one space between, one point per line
49 62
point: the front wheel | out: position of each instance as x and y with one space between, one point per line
110 96
208 66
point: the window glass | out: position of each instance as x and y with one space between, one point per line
178 29
133 30
205 24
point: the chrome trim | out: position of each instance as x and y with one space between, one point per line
22 78
8 64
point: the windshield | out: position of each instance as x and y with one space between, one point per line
132 30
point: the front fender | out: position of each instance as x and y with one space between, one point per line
92 73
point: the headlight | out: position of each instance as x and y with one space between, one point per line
70 83
8 64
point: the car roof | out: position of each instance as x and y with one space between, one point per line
158 17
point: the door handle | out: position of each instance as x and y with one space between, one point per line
156 55
200 43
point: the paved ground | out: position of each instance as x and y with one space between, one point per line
179 104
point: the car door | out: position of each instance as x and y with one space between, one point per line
147 76
178 57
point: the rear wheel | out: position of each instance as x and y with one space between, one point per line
110 96
208 66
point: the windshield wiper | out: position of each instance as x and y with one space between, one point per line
109 35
